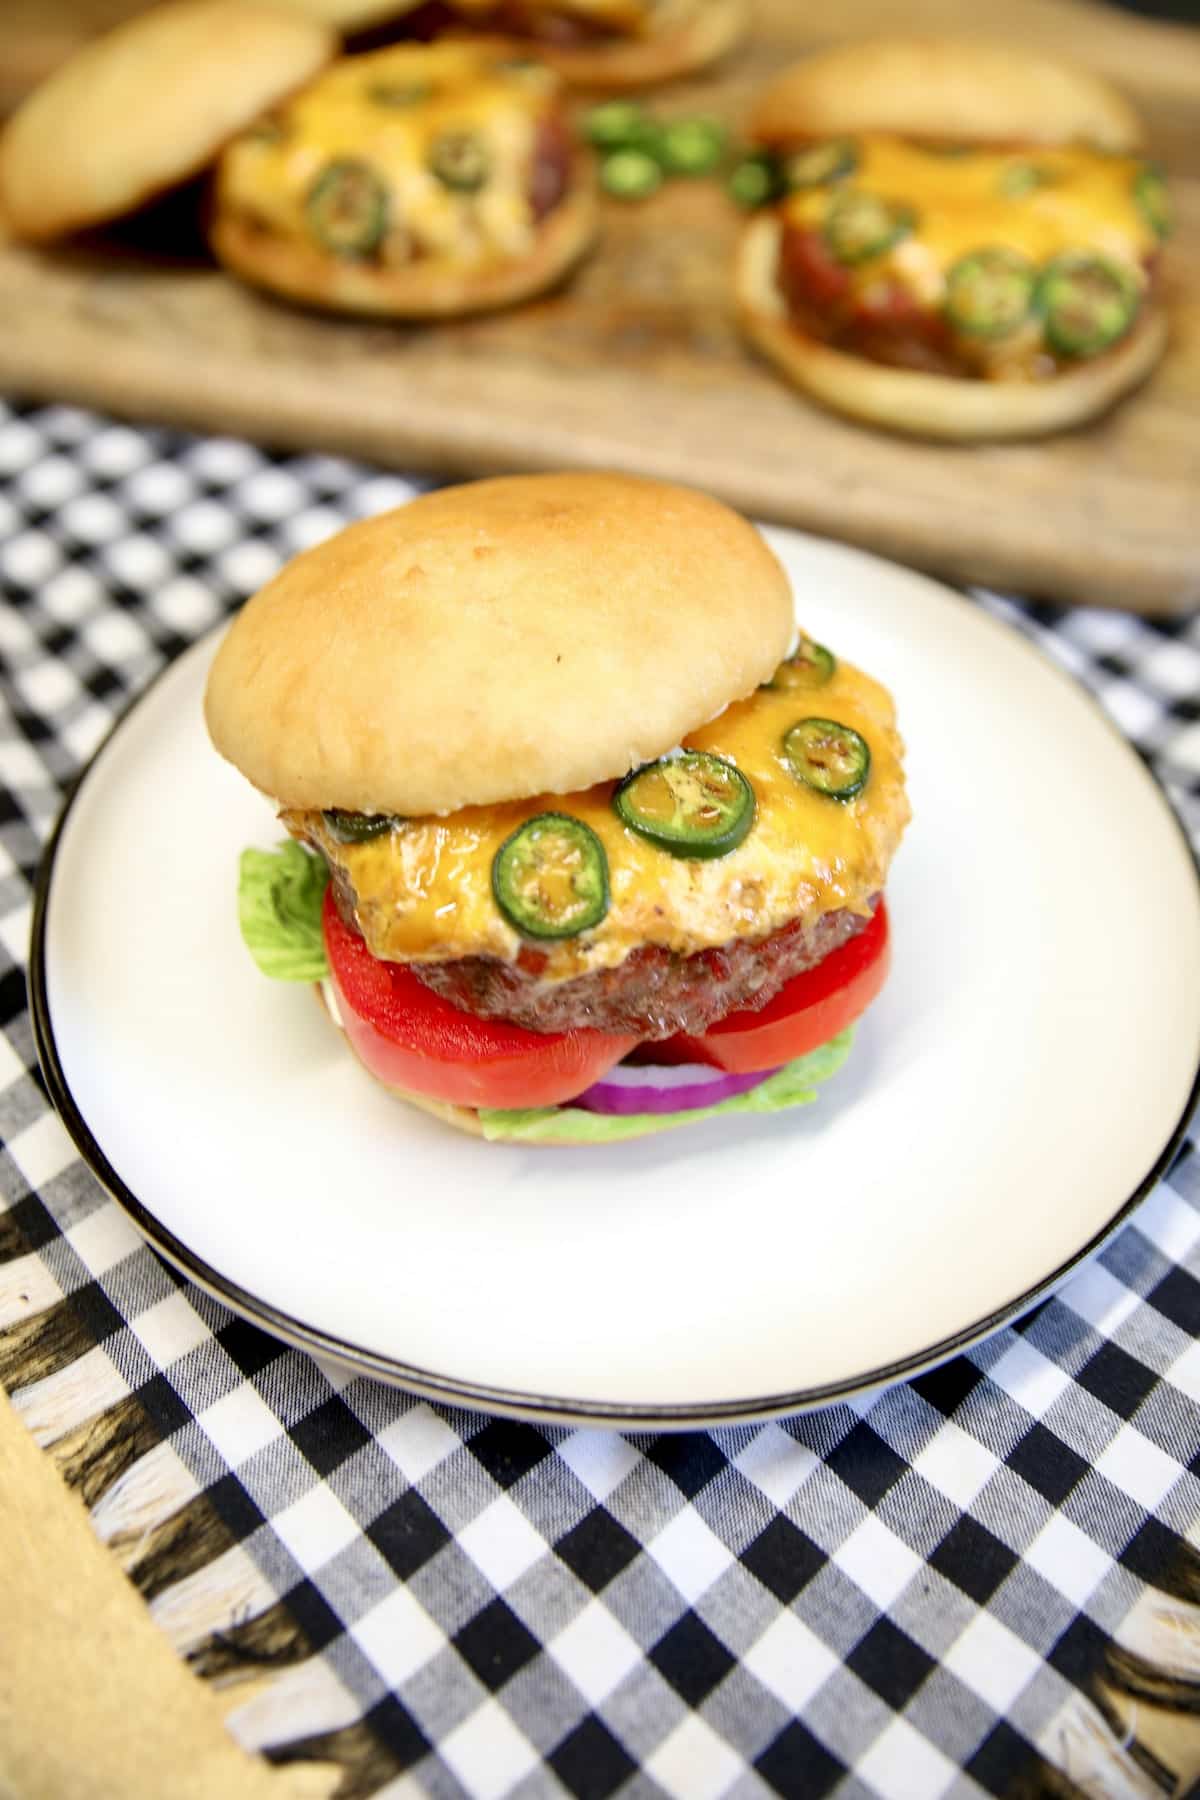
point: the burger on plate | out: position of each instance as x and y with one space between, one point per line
419 181
586 839
965 240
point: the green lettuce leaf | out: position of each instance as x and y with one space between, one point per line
279 910
793 1085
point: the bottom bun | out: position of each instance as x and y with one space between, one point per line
425 289
641 62
935 406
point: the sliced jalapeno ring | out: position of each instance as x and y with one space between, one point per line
356 827
1024 178
860 225
692 146
347 208
694 805
755 181
819 164
829 757
630 175
270 129
615 124
1154 202
399 94
810 665
550 878
460 161
989 292
1087 302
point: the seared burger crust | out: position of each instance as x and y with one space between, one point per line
653 993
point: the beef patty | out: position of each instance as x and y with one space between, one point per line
654 993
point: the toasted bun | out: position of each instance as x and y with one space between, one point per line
947 90
501 639
935 406
146 106
429 287
618 63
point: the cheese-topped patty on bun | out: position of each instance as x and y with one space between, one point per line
965 242
577 788
417 181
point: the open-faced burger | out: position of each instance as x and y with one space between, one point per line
416 181
613 44
965 240
587 838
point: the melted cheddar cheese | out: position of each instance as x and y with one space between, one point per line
388 111
1077 199
1082 199
424 889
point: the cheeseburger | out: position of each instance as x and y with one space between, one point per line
965 240
420 181
585 838
610 44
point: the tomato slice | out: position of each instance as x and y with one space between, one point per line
411 1038
805 1013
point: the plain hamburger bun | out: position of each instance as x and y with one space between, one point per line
947 90
936 406
147 106
494 641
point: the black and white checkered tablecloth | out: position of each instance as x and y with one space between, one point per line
968 1585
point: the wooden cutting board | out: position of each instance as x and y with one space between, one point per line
637 363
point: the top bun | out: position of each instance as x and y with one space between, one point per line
497 640
947 90
147 106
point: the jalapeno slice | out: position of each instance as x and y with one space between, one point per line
347 208
1087 302
755 180
692 146
399 94
989 293
829 757
810 665
694 805
356 827
460 161
630 175
1154 202
819 164
860 225
1020 179
550 878
615 124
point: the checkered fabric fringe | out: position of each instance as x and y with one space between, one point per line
984 1581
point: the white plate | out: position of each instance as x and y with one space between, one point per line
1024 1078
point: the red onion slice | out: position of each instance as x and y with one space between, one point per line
655 1088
